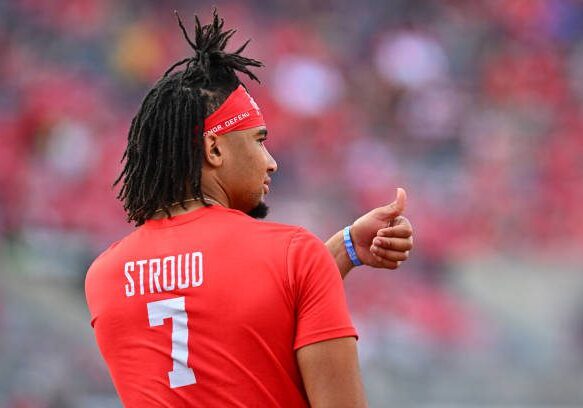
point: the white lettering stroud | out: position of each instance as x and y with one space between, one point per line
166 274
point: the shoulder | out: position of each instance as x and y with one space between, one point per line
268 229
109 249
100 272
302 235
94 279
295 241
109 255
310 265
277 228
294 238
101 260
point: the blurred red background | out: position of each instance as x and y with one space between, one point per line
473 106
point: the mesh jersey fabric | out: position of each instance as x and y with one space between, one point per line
241 295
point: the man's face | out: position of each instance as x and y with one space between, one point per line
247 169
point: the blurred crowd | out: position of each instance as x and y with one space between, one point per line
475 107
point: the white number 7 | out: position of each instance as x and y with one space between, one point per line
174 309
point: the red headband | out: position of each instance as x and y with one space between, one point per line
238 112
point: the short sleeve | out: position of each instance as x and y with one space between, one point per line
318 292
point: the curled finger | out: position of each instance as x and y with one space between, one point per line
386 264
399 231
395 244
388 254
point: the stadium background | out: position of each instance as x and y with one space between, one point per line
474 106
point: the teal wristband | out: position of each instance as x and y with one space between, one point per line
350 247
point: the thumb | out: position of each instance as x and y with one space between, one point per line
397 207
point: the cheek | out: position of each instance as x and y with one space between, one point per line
247 170
254 161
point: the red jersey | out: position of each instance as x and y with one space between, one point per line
206 309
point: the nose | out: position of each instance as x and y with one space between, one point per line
271 163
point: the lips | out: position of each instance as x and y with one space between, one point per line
266 186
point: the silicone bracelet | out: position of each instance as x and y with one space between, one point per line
350 247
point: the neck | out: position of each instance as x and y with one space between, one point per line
213 187
189 205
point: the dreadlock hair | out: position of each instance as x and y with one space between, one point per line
164 154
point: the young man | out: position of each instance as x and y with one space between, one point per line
203 305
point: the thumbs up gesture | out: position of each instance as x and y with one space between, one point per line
382 237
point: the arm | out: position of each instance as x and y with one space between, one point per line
331 374
336 247
382 238
325 339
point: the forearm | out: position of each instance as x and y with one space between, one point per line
336 247
331 374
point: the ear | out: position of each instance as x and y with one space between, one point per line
213 151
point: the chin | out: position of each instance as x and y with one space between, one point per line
260 211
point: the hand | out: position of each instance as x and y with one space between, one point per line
382 237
